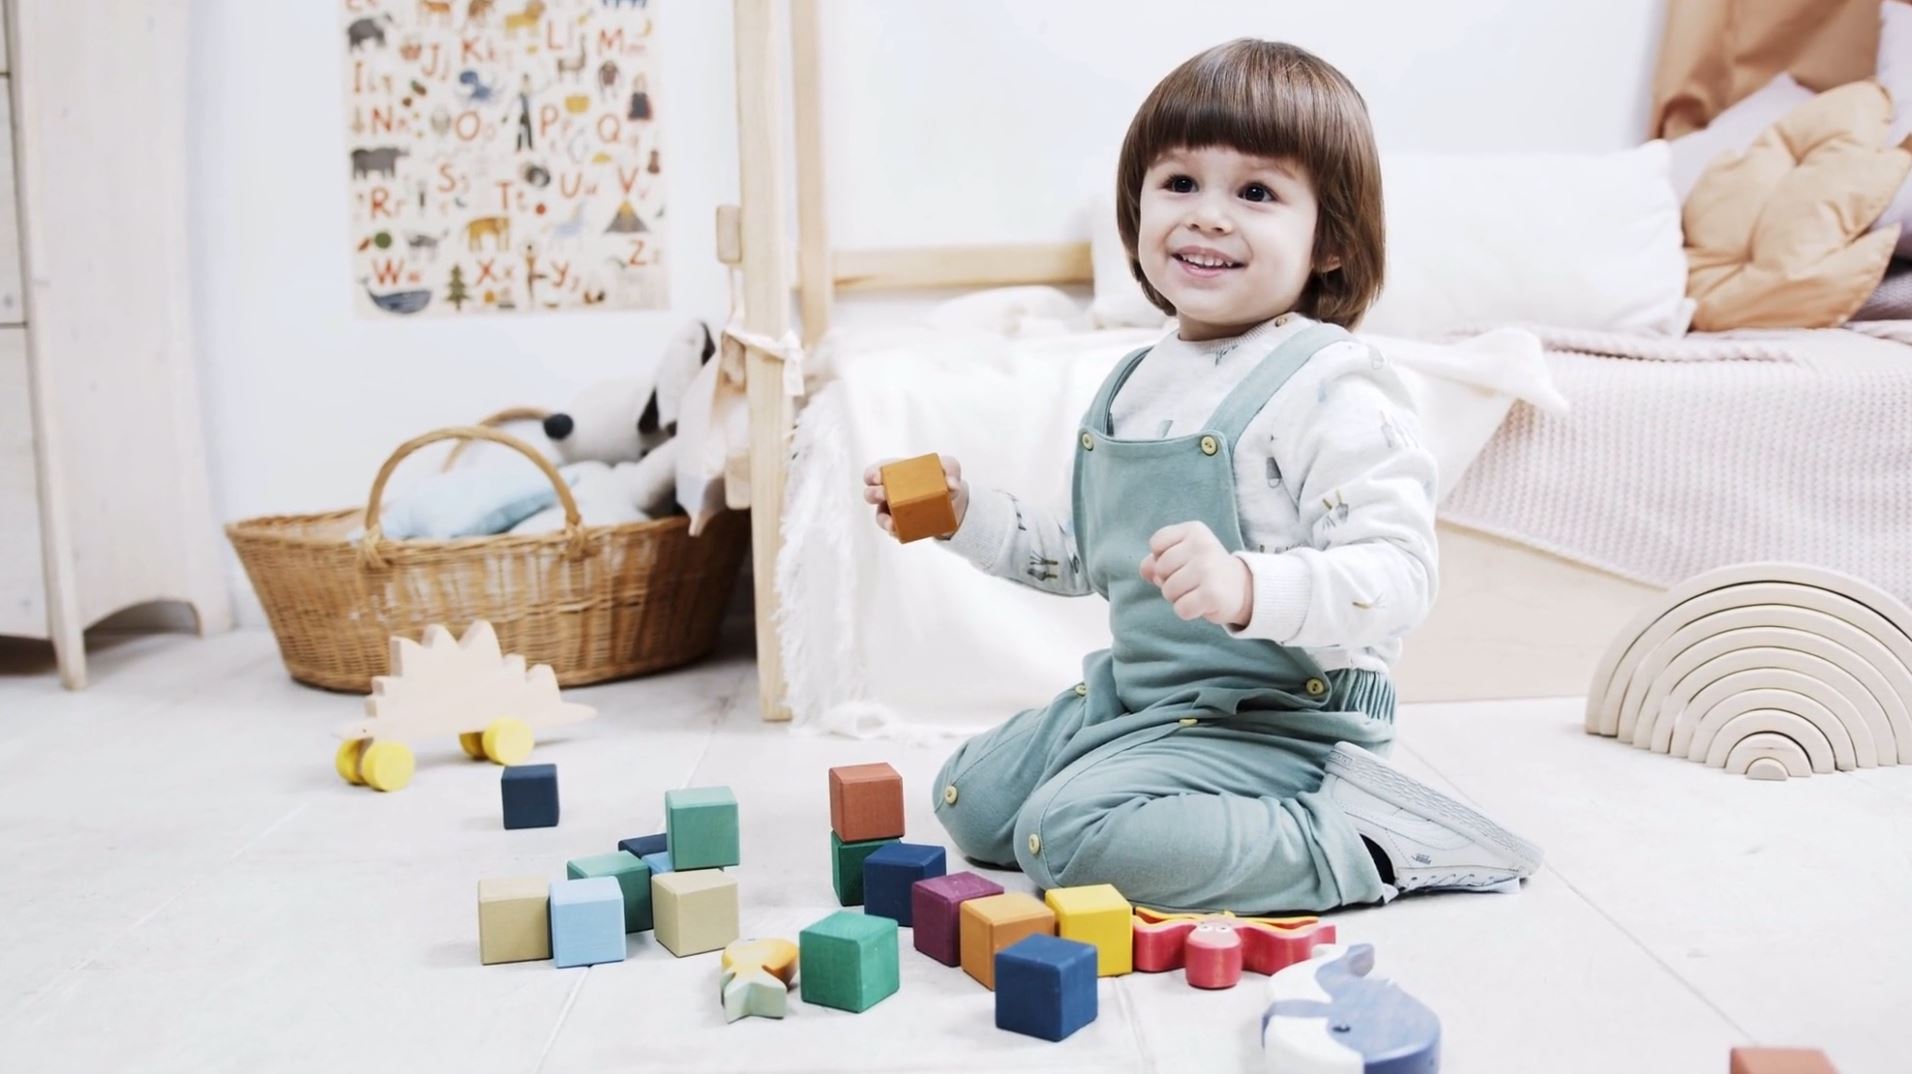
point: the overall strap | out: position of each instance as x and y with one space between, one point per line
1260 385
1098 416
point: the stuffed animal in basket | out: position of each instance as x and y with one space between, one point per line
629 426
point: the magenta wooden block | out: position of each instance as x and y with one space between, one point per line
936 908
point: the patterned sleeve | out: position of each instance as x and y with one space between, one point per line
1365 487
1011 538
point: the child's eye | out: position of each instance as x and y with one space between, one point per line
1257 192
1180 184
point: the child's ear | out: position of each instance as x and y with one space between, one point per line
1328 263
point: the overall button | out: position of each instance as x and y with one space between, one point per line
1187 721
1082 689
1035 843
1316 687
1210 446
1088 442
949 795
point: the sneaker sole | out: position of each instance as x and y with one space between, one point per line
1380 779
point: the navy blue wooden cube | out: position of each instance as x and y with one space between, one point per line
644 845
530 795
1045 986
889 873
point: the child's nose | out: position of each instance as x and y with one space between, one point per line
1211 217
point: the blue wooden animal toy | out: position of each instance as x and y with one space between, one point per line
1327 1016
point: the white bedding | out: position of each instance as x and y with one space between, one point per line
910 639
1698 453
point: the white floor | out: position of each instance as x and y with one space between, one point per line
189 887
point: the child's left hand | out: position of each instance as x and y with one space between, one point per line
1199 577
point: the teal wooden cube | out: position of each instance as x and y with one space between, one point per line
846 867
632 876
587 921
701 823
849 961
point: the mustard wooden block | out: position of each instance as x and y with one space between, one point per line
920 504
514 919
1097 915
992 923
694 911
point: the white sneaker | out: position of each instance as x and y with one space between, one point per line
1433 842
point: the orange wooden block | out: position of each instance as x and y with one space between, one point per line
1781 1061
866 802
992 923
920 503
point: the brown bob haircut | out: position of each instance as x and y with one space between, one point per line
1269 99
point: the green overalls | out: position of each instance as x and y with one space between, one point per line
1184 769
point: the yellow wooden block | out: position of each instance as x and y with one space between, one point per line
1097 915
694 911
992 923
514 919
920 503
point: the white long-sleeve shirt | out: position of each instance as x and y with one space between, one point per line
1334 490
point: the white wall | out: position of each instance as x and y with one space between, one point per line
988 120
304 399
947 121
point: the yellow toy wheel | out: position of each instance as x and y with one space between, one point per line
347 759
473 743
507 741
386 766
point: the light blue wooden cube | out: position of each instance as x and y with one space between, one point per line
587 921
659 863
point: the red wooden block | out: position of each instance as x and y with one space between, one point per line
1215 948
1780 1061
866 802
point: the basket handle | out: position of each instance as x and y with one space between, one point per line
492 421
369 551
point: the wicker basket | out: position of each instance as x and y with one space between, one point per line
594 602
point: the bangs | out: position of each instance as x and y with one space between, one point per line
1243 96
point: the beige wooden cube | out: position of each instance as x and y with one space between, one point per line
695 911
514 919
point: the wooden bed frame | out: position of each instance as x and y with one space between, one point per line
1510 621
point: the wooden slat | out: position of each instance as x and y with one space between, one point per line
962 266
766 313
22 574
13 310
814 285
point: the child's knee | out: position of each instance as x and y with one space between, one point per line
975 809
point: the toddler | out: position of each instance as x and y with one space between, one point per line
1252 498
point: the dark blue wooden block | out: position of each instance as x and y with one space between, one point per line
1045 987
530 794
889 872
644 845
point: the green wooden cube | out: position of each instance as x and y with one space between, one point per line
849 961
701 823
633 877
846 867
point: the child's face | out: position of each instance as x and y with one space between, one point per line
1228 238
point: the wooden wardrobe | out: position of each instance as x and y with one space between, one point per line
103 485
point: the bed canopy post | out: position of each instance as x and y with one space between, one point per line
764 249
816 287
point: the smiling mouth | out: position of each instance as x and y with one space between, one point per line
1203 261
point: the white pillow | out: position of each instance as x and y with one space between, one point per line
1733 130
1895 64
1119 301
1895 74
1580 240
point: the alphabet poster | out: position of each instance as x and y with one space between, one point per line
503 156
